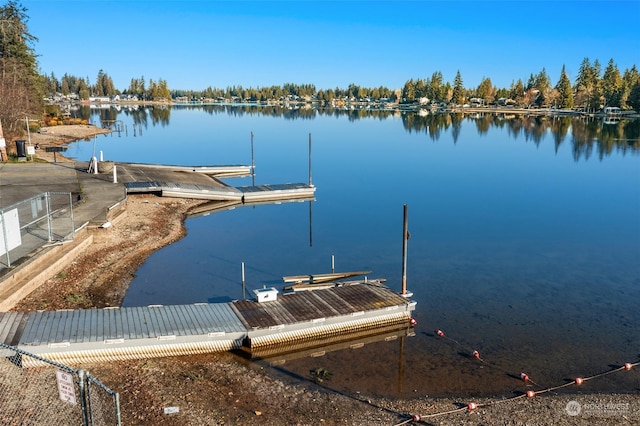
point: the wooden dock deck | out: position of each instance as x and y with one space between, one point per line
71 336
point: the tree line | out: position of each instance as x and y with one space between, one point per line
591 91
23 88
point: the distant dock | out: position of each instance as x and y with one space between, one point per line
201 182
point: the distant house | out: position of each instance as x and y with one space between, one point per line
99 99
423 100
506 101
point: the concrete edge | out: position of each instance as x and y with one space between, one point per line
59 257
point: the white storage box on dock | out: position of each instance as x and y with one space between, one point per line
266 294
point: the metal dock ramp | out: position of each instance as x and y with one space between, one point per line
185 190
71 336
202 183
293 319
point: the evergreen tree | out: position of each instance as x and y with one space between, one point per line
565 93
83 89
634 97
104 85
531 83
587 85
486 91
458 96
409 91
517 92
612 85
542 83
630 78
436 86
21 86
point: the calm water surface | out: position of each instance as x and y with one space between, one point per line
525 236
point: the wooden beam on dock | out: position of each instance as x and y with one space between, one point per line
322 278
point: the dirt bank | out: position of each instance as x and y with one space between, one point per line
227 389
101 276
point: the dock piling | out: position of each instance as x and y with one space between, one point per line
405 239
243 283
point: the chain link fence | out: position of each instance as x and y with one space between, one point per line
25 226
37 391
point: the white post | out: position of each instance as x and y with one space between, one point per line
115 174
243 283
101 158
94 160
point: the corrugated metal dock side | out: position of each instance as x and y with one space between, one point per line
294 321
309 315
185 190
127 333
285 191
280 353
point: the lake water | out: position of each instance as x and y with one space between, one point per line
525 235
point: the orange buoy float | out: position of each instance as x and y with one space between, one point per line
416 418
627 366
530 394
476 354
524 377
472 406
579 381
439 333
413 322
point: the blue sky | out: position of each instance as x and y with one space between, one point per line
196 44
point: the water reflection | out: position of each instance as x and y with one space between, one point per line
516 251
587 135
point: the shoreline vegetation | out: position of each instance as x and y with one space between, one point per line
223 388
367 105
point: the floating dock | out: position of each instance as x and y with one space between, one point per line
202 182
273 320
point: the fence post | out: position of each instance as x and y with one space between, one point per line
117 401
73 226
48 203
83 397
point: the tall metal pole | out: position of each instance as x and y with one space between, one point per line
253 166
405 238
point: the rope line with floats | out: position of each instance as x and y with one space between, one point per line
472 406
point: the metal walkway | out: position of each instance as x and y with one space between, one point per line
201 182
70 336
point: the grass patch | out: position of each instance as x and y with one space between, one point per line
78 299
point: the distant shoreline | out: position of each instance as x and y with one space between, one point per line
375 106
